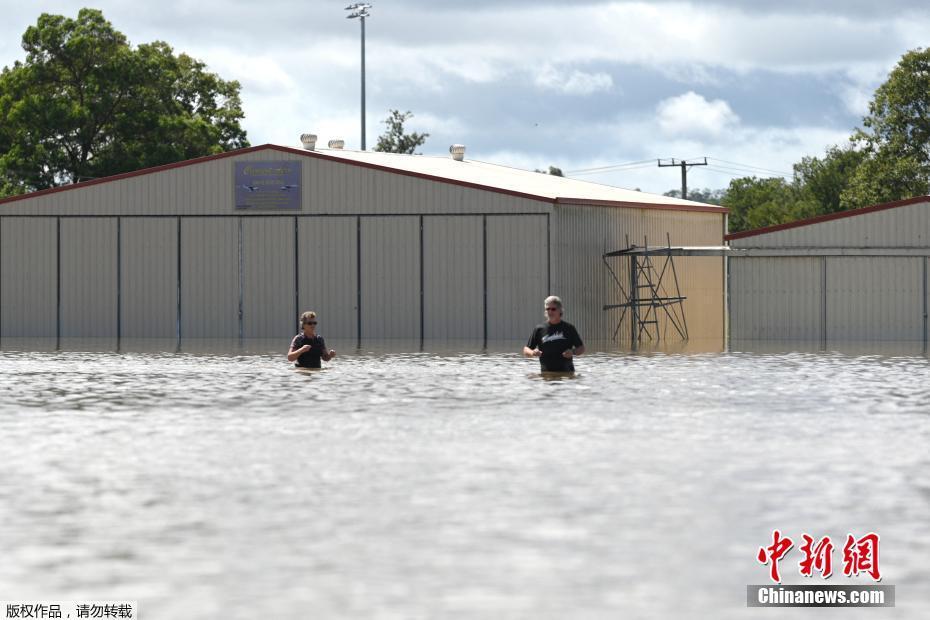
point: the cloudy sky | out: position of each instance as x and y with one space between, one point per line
752 85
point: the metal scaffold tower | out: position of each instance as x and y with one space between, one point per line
648 295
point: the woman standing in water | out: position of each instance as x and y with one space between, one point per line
308 348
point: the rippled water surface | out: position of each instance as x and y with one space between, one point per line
453 485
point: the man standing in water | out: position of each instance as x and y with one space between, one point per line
307 348
554 342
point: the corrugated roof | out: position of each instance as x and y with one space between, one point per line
472 173
475 172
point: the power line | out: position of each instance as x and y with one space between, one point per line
610 167
739 165
747 171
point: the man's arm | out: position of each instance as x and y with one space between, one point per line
528 352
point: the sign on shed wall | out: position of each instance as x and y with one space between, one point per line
268 185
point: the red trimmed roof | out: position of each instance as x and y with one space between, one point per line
829 216
670 203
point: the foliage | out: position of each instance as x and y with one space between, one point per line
85 104
755 203
706 195
394 139
825 179
553 171
895 137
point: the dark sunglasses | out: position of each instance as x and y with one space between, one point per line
309 322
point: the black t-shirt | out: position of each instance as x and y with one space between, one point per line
553 340
312 357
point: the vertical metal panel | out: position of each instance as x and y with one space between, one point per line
209 278
390 278
453 278
149 277
327 252
28 280
775 298
874 298
267 277
517 249
926 285
88 278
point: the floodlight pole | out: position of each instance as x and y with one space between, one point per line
363 80
360 10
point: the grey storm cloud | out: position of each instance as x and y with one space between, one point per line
541 82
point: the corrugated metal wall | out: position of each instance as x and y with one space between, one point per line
518 274
583 234
89 278
327 187
28 277
269 287
776 298
906 226
149 277
210 291
390 296
848 298
453 278
376 254
809 294
328 274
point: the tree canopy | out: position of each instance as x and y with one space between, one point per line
395 139
887 159
895 137
85 104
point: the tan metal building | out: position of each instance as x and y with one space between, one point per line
382 246
856 275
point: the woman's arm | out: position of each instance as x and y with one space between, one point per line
293 354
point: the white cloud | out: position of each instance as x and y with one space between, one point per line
572 83
691 114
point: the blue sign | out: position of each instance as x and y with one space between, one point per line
264 185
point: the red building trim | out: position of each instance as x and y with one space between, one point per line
361 164
830 216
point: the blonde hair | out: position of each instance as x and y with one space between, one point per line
306 317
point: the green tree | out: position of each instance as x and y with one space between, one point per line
553 171
895 137
395 139
706 195
85 104
825 179
755 203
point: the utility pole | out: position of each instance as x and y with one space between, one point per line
684 165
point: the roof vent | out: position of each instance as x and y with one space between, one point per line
337 144
309 140
458 151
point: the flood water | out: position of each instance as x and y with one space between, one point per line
456 485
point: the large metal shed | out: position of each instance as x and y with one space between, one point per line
382 246
858 275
